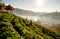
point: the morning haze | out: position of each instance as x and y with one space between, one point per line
36 5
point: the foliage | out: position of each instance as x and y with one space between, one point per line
14 27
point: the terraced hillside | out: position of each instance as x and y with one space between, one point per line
14 27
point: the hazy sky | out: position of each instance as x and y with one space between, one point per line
36 5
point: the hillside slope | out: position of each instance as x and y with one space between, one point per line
14 27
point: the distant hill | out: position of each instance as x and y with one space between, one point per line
23 12
51 14
14 27
26 12
53 17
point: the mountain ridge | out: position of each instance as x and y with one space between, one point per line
26 12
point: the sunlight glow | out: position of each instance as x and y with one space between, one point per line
35 19
39 2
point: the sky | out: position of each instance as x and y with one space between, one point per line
36 5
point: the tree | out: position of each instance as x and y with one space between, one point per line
2 5
9 8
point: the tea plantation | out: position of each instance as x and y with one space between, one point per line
14 27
